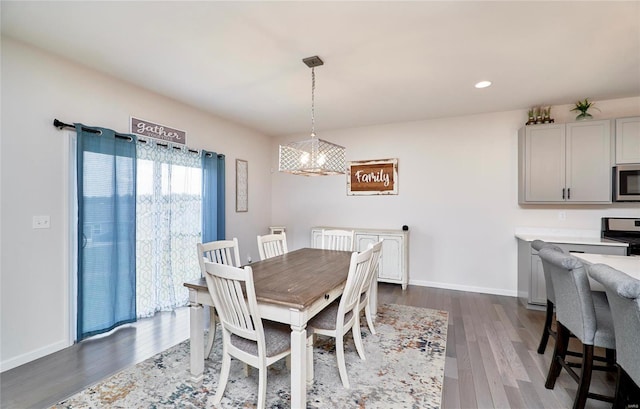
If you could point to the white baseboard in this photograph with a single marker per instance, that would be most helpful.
(33, 355)
(448, 286)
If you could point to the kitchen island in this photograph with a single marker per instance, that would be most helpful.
(629, 265)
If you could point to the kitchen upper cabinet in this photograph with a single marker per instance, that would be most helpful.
(628, 140)
(589, 161)
(565, 163)
(542, 162)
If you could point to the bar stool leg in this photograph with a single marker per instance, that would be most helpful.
(559, 354)
(547, 328)
(585, 377)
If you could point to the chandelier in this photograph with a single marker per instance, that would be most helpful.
(312, 157)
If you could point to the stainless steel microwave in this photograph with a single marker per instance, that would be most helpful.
(626, 183)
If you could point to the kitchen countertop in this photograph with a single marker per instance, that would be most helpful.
(586, 237)
(629, 265)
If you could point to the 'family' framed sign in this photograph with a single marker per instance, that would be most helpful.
(373, 177)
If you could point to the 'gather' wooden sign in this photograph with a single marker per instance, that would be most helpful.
(373, 177)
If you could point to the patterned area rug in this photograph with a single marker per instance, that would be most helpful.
(404, 369)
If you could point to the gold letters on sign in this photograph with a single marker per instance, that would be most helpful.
(373, 177)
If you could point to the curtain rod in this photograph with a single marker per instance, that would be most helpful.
(60, 125)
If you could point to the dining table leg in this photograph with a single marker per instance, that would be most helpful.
(310, 339)
(298, 366)
(196, 341)
(373, 299)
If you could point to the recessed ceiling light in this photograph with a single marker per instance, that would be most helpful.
(483, 84)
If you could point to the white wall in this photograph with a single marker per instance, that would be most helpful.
(36, 88)
(457, 193)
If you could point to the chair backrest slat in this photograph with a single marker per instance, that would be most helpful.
(222, 251)
(338, 240)
(237, 308)
(272, 245)
(376, 252)
(356, 277)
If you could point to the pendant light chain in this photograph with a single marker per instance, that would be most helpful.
(313, 89)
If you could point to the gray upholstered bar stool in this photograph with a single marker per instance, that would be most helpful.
(551, 298)
(623, 293)
(581, 312)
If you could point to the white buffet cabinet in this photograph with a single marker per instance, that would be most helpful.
(393, 266)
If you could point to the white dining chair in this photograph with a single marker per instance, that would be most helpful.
(342, 315)
(372, 276)
(338, 240)
(244, 335)
(222, 252)
(271, 245)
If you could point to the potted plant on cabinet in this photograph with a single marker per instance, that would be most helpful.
(583, 107)
(532, 117)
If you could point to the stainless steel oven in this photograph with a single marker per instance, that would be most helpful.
(623, 229)
(626, 183)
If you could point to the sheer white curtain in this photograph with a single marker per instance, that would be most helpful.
(168, 225)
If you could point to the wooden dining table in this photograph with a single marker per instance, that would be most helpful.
(291, 289)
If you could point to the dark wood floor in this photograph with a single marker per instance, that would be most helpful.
(491, 355)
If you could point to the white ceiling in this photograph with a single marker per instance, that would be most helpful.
(384, 61)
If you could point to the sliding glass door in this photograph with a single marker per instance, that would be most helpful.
(143, 205)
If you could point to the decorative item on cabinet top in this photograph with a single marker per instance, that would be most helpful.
(540, 115)
(583, 107)
(373, 177)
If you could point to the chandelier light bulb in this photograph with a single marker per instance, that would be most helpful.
(304, 158)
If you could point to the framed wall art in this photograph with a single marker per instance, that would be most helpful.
(242, 185)
(373, 177)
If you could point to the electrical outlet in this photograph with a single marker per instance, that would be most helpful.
(562, 215)
(41, 222)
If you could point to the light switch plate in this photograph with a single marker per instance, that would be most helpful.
(41, 222)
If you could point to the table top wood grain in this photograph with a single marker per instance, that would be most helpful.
(295, 279)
